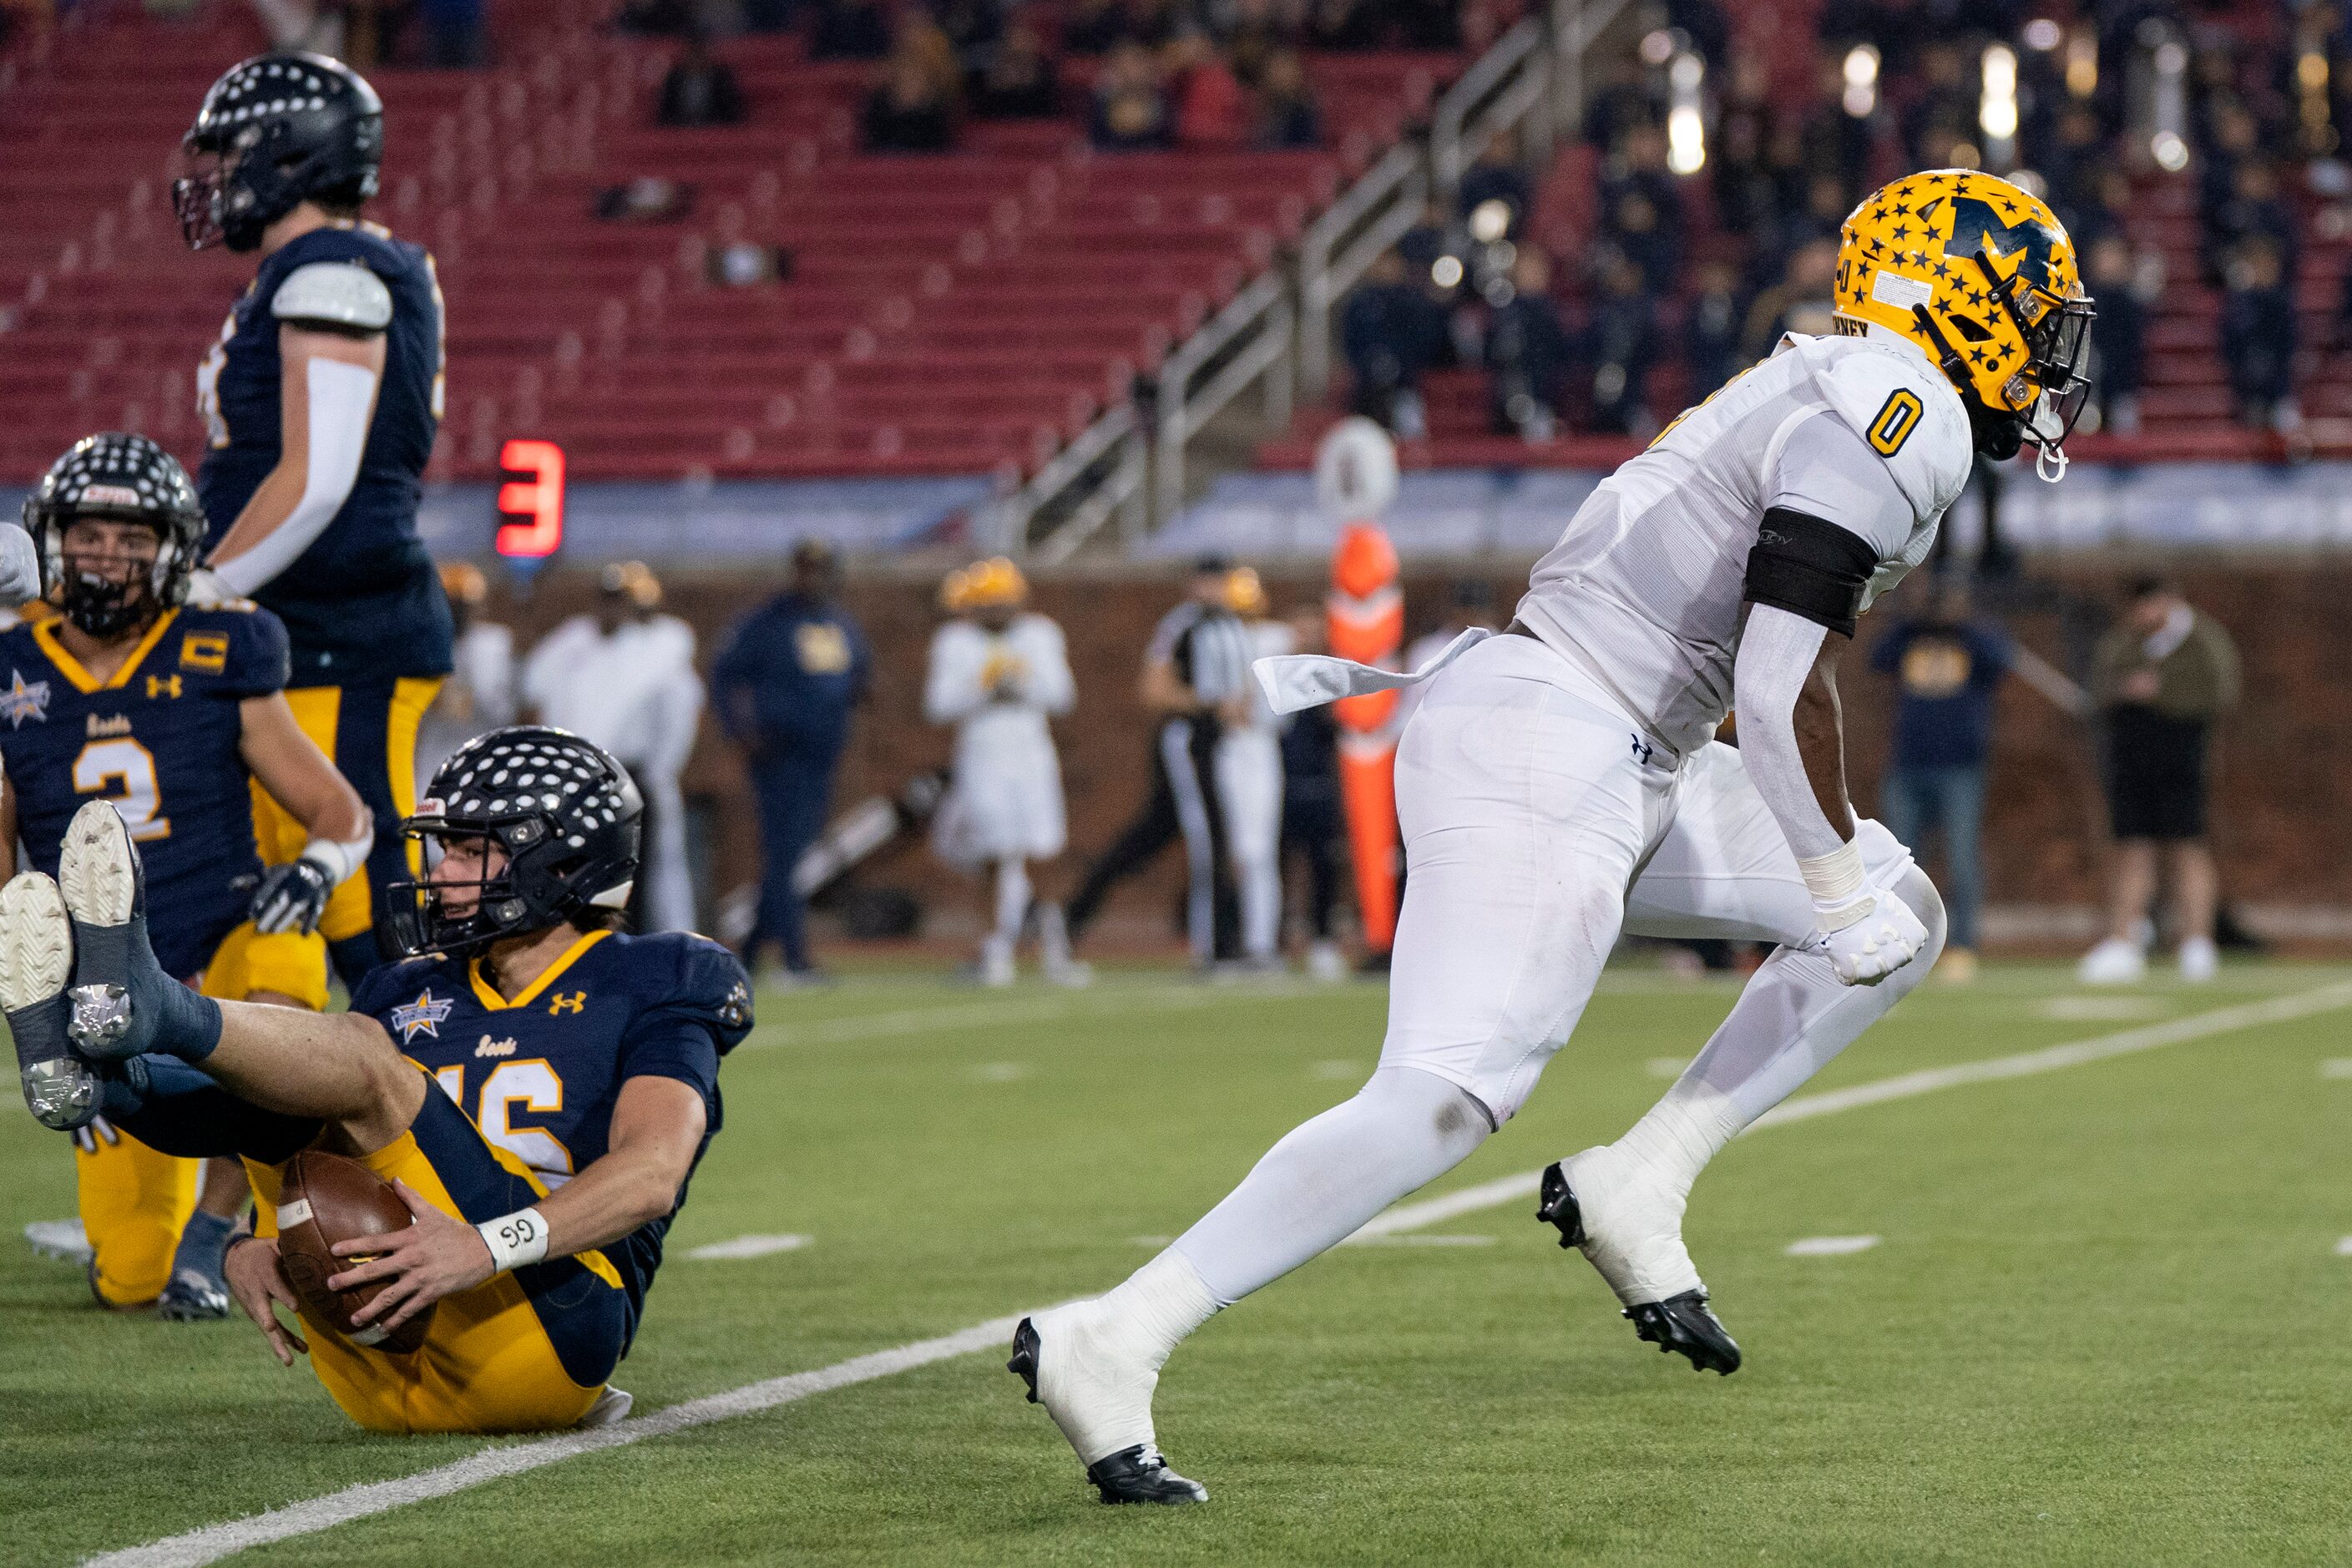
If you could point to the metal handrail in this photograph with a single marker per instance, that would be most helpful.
(1397, 182)
(1259, 313)
(1449, 124)
(1009, 520)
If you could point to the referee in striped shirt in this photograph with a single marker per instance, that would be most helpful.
(1196, 675)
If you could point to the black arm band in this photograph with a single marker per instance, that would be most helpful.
(1810, 568)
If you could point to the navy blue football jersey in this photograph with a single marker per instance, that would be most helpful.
(540, 1074)
(362, 601)
(162, 739)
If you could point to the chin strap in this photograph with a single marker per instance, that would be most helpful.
(2049, 463)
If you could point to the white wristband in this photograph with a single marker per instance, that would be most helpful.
(338, 860)
(516, 1240)
(1837, 881)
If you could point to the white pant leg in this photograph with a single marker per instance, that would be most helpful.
(1249, 789)
(1192, 808)
(1526, 804)
(1723, 869)
(669, 887)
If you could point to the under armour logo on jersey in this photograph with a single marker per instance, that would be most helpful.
(22, 700)
(560, 1004)
(163, 686)
(423, 1016)
(1641, 751)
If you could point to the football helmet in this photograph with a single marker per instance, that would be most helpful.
(565, 813)
(995, 583)
(1980, 275)
(125, 478)
(273, 132)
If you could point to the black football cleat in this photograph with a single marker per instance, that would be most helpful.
(1141, 1475)
(1024, 1364)
(1556, 1205)
(1685, 1325)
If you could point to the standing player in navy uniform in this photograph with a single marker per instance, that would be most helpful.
(323, 399)
(536, 1086)
(117, 692)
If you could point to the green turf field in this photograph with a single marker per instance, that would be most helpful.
(2102, 1323)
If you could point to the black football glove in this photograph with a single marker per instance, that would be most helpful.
(290, 898)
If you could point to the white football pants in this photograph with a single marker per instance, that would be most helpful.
(1249, 792)
(1540, 824)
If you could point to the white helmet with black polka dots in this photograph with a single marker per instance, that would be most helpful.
(565, 813)
(117, 478)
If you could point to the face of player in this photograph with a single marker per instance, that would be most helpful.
(108, 559)
(995, 618)
(466, 863)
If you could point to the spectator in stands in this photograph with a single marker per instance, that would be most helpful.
(1831, 141)
(1343, 25)
(1155, 24)
(2078, 155)
(2251, 210)
(1018, 81)
(1130, 109)
(652, 18)
(1093, 26)
(1250, 31)
(1641, 210)
(648, 198)
(1392, 332)
(1211, 108)
(972, 27)
(849, 30)
(2258, 336)
(1946, 664)
(1620, 344)
(1711, 328)
(1805, 300)
(1747, 196)
(700, 90)
(1287, 115)
(907, 112)
(2162, 675)
(1619, 102)
(2118, 333)
(784, 688)
(1497, 175)
(1945, 108)
(1528, 352)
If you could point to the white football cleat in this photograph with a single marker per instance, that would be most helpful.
(2114, 962)
(2201, 961)
(612, 1407)
(1628, 1225)
(1094, 1376)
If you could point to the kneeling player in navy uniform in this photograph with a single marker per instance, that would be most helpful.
(536, 1086)
(175, 713)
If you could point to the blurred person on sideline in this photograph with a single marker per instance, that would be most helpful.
(1249, 783)
(1195, 680)
(1947, 663)
(784, 687)
(624, 678)
(1000, 672)
(479, 695)
(2162, 675)
(1312, 826)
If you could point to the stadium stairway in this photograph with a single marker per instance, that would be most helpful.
(954, 313)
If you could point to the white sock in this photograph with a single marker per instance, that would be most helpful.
(1261, 900)
(1790, 1022)
(1011, 900)
(1403, 1130)
(1053, 935)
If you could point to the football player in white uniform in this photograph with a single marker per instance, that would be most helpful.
(1559, 787)
(998, 673)
(1249, 785)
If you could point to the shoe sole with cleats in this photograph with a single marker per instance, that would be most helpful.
(37, 955)
(99, 871)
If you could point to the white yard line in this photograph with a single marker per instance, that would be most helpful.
(1830, 1246)
(218, 1541)
(747, 1246)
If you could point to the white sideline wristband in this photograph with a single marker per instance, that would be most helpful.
(1837, 883)
(519, 1240)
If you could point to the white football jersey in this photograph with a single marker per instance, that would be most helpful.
(1644, 588)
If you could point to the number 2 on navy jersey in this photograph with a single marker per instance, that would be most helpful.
(531, 1084)
(141, 801)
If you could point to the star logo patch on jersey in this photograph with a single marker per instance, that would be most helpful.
(22, 701)
(423, 1016)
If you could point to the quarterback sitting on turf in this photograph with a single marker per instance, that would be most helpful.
(536, 1086)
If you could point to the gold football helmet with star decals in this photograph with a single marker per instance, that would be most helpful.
(1979, 274)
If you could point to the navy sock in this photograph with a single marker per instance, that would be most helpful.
(203, 1243)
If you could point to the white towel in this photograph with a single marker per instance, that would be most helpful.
(1297, 680)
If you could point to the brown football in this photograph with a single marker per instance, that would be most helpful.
(324, 1199)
